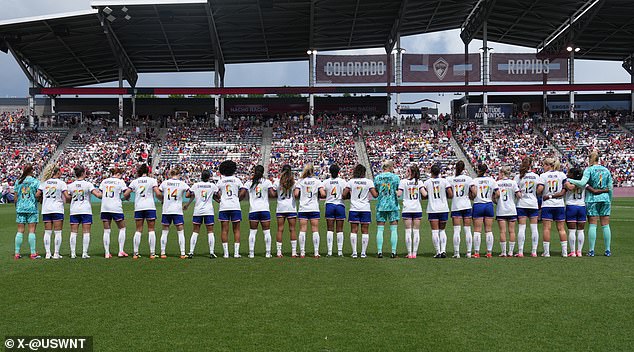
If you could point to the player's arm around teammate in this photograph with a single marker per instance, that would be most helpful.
(411, 189)
(531, 185)
(259, 211)
(461, 209)
(506, 212)
(232, 191)
(203, 193)
(144, 188)
(25, 190)
(173, 191)
(112, 189)
(286, 210)
(54, 194)
(335, 209)
(553, 207)
(438, 191)
(575, 212)
(81, 210)
(358, 190)
(482, 190)
(308, 190)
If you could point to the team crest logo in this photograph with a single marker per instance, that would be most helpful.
(441, 67)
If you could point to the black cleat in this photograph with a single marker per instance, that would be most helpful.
(379, 255)
(443, 255)
(190, 256)
(393, 255)
(438, 255)
(212, 256)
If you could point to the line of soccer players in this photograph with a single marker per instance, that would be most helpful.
(566, 199)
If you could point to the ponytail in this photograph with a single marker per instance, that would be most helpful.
(26, 172)
(525, 166)
(258, 174)
(459, 168)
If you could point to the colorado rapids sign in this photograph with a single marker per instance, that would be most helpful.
(440, 68)
(527, 68)
(352, 68)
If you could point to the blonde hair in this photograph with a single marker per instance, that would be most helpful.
(174, 172)
(50, 171)
(309, 171)
(505, 171)
(593, 158)
(387, 165)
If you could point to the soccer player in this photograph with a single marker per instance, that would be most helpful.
(308, 190)
(232, 191)
(335, 209)
(553, 207)
(260, 189)
(144, 188)
(531, 185)
(81, 210)
(203, 193)
(112, 189)
(54, 194)
(461, 210)
(506, 212)
(387, 207)
(575, 212)
(172, 191)
(25, 191)
(286, 209)
(482, 190)
(358, 190)
(411, 188)
(598, 200)
(438, 191)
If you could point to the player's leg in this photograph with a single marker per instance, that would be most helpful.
(468, 236)
(151, 231)
(196, 222)
(106, 234)
(521, 234)
(136, 240)
(442, 224)
(211, 239)
(32, 224)
(279, 235)
(236, 238)
(380, 225)
(415, 237)
(365, 238)
(57, 229)
(303, 226)
(435, 236)
(266, 229)
(572, 236)
(339, 229)
(86, 229)
(19, 236)
(224, 237)
(330, 230)
(165, 223)
(180, 231)
(563, 240)
(292, 229)
(547, 223)
(511, 230)
(488, 228)
(477, 230)
(253, 231)
(457, 228)
(581, 225)
(607, 234)
(74, 228)
(502, 224)
(314, 226)
(407, 223)
(592, 234)
(354, 229)
(122, 235)
(48, 231)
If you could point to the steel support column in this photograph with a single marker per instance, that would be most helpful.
(120, 99)
(485, 73)
(311, 83)
(217, 99)
(572, 81)
(398, 71)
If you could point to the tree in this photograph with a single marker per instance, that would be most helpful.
(346, 95)
(173, 96)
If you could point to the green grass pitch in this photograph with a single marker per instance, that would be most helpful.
(327, 304)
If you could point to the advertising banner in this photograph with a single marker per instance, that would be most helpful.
(527, 68)
(435, 68)
(351, 69)
(494, 111)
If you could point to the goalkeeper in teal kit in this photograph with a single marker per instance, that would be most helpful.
(387, 206)
(598, 181)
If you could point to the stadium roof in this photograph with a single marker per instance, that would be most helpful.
(88, 47)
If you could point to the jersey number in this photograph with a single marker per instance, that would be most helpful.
(78, 195)
(413, 193)
(109, 193)
(172, 194)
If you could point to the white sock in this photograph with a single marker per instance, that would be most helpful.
(164, 234)
(73, 243)
(468, 238)
(443, 241)
(267, 241)
(316, 242)
(511, 248)
(279, 247)
(435, 239)
(521, 238)
(302, 243)
(564, 248)
(534, 238)
(408, 240)
(546, 247)
(236, 249)
(365, 240)
(353, 243)
(476, 242)
(106, 241)
(329, 240)
(58, 241)
(489, 239)
(572, 238)
(152, 242)
(456, 239)
(86, 243)
(136, 242)
(181, 241)
(121, 239)
(294, 247)
(580, 240)
(339, 241)
(252, 234)
(192, 242)
(211, 241)
(47, 241)
(503, 247)
(225, 248)
(416, 241)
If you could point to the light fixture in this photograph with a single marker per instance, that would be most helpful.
(577, 50)
(311, 52)
(489, 49)
(111, 18)
(127, 17)
(569, 48)
(107, 10)
(124, 9)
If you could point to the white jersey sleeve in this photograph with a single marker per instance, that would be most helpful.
(437, 195)
(143, 188)
(359, 194)
(204, 197)
(258, 195)
(80, 192)
(173, 195)
(309, 194)
(111, 200)
(52, 196)
(460, 185)
(285, 199)
(411, 195)
(334, 189)
(506, 203)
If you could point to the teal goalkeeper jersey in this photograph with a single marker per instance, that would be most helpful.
(598, 177)
(25, 195)
(387, 185)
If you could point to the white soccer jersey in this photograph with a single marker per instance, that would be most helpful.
(80, 192)
(334, 188)
(553, 183)
(143, 188)
(576, 197)
(258, 195)
(437, 195)
(460, 185)
(485, 187)
(506, 202)
(309, 194)
(285, 200)
(173, 194)
(528, 186)
(52, 196)
(359, 193)
(111, 199)
(230, 187)
(204, 195)
(411, 195)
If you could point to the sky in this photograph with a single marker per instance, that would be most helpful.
(15, 84)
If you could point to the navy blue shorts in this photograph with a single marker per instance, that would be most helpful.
(507, 217)
(112, 216)
(335, 211)
(260, 216)
(438, 216)
(527, 213)
(230, 215)
(81, 219)
(286, 215)
(309, 215)
(554, 213)
(418, 215)
(359, 217)
(464, 213)
(145, 215)
(575, 213)
(483, 210)
(168, 219)
(53, 217)
(207, 219)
